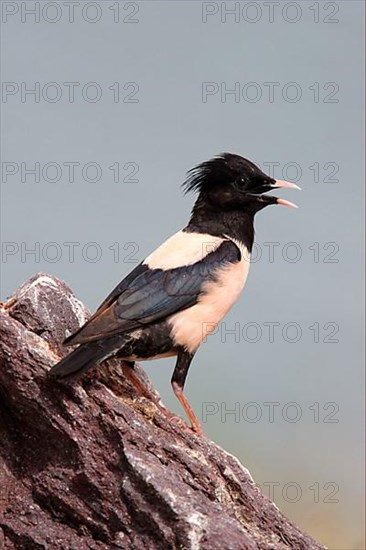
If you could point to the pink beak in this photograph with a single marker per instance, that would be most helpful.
(288, 185)
(284, 202)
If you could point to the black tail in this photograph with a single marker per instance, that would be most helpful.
(81, 360)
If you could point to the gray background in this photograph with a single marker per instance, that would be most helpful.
(169, 52)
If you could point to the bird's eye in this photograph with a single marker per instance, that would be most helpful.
(239, 182)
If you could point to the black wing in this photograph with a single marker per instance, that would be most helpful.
(148, 295)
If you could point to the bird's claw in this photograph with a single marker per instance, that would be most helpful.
(179, 422)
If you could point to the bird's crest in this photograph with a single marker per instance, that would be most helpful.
(222, 168)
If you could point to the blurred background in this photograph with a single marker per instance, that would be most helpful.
(106, 105)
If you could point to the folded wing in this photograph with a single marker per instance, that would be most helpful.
(149, 295)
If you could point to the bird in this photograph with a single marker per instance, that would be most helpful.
(169, 303)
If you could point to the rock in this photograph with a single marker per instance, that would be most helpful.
(89, 465)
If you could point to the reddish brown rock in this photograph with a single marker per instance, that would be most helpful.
(87, 465)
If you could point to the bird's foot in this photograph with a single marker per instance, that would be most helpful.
(9, 303)
(179, 422)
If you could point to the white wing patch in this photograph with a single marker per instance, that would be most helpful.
(190, 326)
(182, 249)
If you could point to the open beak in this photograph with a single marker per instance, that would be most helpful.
(284, 202)
(279, 184)
(259, 193)
(286, 184)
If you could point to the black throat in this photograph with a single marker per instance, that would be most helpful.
(237, 224)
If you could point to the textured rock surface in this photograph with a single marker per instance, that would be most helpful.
(89, 466)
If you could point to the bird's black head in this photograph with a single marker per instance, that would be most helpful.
(231, 182)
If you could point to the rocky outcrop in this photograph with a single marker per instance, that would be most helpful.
(89, 465)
